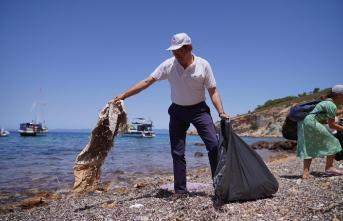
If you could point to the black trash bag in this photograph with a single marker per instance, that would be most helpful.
(339, 136)
(241, 173)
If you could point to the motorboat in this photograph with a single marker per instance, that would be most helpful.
(140, 127)
(3, 132)
(35, 127)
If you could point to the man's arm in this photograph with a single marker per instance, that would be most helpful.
(217, 102)
(137, 88)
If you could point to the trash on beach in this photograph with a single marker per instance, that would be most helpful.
(110, 204)
(190, 186)
(87, 170)
(136, 206)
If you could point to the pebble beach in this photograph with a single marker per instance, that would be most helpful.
(144, 199)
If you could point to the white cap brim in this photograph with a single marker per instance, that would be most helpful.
(174, 47)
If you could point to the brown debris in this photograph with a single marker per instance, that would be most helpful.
(43, 198)
(87, 170)
(32, 202)
(139, 185)
(277, 157)
(110, 204)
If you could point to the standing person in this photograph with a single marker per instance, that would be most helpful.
(188, 76)
(314, 140)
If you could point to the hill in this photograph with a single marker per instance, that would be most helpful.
(267, 120)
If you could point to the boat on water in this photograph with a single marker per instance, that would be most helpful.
(3, 132)
(140, 127)
(32, 129)
(35, 127)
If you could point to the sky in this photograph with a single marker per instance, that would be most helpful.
(82, 53)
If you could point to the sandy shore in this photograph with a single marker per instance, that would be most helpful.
(297, 199)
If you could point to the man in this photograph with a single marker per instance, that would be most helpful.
(188, 76)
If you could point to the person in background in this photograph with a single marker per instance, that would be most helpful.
(314, 140)
(326, 125)
(188, 76)
(339, 155)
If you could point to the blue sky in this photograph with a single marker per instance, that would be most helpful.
(83, 53)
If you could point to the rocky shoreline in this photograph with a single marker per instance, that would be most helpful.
(296, 199)
(288, 145)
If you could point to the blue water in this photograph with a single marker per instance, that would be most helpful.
(30, 163)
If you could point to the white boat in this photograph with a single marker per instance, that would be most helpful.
(3, 132)
(35, 127)
(140, 128)
(32, 129)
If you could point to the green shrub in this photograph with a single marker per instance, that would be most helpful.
(290, 100)
(253, 126)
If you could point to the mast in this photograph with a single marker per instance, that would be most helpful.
(39, 104)
(41, 107)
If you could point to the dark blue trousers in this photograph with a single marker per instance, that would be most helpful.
(180, 120)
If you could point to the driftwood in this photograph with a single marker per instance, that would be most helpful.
(87, 170)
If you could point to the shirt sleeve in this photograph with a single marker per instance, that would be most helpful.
(210, 81)
(160, 72)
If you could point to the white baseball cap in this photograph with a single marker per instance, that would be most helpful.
(178, 41)
(338, 89)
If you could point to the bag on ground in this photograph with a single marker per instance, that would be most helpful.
(339, 136)
(241, 173)
(290, 129)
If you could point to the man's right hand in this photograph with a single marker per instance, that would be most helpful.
(117, 98)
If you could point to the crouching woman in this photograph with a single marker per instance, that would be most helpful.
(314, 140)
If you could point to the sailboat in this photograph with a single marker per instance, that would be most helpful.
(35, 127)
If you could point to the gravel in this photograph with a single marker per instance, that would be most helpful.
(143, 199)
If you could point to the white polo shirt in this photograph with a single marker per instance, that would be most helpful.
(187, 85)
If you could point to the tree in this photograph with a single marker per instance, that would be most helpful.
(316, 90)
(302, 95)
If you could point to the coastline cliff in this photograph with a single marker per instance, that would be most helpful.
(267, 123)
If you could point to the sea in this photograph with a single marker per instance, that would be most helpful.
(47, 162)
